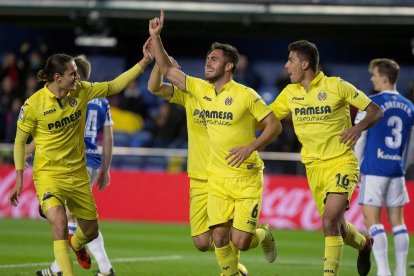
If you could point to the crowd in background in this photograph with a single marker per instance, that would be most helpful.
(141, 119)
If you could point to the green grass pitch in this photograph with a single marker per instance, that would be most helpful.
(164, 249)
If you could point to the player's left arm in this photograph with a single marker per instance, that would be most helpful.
(373, 115)
(272, 128)
(121, 82)
(103, 178)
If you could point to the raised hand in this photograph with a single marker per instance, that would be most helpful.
(156, 24)
(147, 50)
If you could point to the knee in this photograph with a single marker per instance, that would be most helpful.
(242, 244)
(202, 247)
(91, 232)
(330, 224)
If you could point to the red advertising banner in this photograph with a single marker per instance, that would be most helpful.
(163, 197)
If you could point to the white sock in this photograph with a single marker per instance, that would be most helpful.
(55, 267)
(401, 241)
(96, 247)
(72, 227)
(380, 249)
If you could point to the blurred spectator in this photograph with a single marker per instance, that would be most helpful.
(133, 100)
(11, 120)
(245, 74)
(169, 129)
(9, 68)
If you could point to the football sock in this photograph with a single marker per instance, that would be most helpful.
(79, 239)
(258, 237)
(333, 255)
(72, 227)
(63, 257)
(96, 247)
(354, 238)
(235, 250)
(55, 267)
(226, 260)
(380, 248)
(401, 242)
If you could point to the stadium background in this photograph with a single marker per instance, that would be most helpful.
(348, 33)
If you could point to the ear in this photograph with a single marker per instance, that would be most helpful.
(57, 77)
(229, 66)
(305, 65)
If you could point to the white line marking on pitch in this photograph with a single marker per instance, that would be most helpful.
(118, 260)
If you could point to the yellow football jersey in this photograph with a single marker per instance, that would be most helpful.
(198, 145)
(57, 127)
(230, 117)
(320, 114)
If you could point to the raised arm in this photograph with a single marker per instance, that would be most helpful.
(122, 81)
(167, 69)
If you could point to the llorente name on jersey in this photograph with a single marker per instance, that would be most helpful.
(65, 120)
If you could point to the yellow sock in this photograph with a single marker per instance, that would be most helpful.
(333, 255)
(227, 261)
(258, 237)
(62, 256)
(354, 238)
(79, 239)
(236, 251)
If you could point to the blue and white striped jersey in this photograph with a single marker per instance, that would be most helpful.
(386, 149)
(98, 115)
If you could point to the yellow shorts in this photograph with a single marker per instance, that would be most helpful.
(338, 175)
(235, 198)
(70, 188)
(198, 206)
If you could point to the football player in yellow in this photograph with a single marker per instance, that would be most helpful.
(229, 111)
(55, 117)
(198, 147)
(322, 122)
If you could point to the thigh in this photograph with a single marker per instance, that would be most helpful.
(51, 191)
(373, 190)
(80, 201)
(397, 194)
(248, 202)
(220, 204)
(337, 176)
(198, 206)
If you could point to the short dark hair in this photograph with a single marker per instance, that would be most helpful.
(307, 51)
(386, 67)
(54, 64)
(229, 51)
(84, 67)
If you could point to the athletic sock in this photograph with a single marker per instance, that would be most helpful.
(333, 255)
(354, 238)
(63, 257)
(258, 237)
(79, 239)
(380, 248)
(55, 267)
(226, 260)
(97, 248)
(401, 243)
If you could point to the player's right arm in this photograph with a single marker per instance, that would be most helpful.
(19, 163)
(157, 87)
(167, 69)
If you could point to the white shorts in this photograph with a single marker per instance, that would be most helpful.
(93, 173)
(381, 191)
